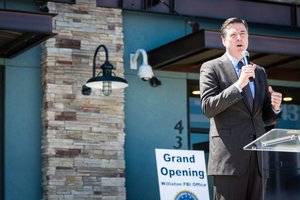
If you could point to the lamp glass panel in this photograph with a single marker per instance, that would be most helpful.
(99, 85)
(106, 88)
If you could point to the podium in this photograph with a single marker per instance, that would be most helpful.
(282, 147)
(279, 140)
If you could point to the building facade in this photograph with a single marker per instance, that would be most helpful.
(60, 144)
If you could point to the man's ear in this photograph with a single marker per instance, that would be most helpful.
(223, 41)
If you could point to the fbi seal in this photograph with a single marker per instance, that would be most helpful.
(185, 195)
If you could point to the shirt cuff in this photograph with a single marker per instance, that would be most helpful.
(238, 87)
(277, 112)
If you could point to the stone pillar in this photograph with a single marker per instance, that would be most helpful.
(83, 136)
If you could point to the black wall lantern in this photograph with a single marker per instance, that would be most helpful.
(106, 80)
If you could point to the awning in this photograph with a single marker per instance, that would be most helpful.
(280, 56)
(21, 30)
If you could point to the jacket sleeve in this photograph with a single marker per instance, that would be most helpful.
(269, 116)
(215, 95)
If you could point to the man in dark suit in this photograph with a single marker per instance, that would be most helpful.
(235, 121)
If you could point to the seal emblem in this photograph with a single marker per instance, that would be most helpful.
(185, 195)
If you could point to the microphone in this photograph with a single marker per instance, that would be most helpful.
(246, 59)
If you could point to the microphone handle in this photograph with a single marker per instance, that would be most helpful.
(247, 62)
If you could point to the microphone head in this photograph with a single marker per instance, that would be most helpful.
(245, 53)
(246, 59)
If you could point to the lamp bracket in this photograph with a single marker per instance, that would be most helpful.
(134, 57)
(133, 62)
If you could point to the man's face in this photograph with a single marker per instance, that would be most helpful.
(236, 39)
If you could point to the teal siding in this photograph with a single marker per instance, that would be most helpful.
(151, 113)
(22, 119)
(22, 144)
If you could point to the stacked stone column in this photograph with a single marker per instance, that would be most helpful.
(83, 136)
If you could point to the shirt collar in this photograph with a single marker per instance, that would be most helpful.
(232, 59)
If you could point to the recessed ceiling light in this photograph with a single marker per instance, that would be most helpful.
(196, 92)
(287, 99)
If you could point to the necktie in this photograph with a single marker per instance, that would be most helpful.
(246, 89)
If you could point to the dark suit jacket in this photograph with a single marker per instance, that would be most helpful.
(232, 124)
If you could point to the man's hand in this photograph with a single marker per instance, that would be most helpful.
(276, 99)
(247, 71)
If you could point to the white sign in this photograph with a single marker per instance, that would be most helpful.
(181, 175)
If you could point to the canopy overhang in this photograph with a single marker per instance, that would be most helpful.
(280, 56)
(20, 30)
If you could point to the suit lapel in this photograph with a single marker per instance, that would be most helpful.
(227, 65)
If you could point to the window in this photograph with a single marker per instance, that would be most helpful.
(198, 123)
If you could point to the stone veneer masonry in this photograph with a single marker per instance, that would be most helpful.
(83, 136)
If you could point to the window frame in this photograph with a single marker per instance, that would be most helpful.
(2, 108)
(192, 85)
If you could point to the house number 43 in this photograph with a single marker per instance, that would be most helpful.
(179, 128)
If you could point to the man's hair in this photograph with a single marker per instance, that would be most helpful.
(232, 21)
